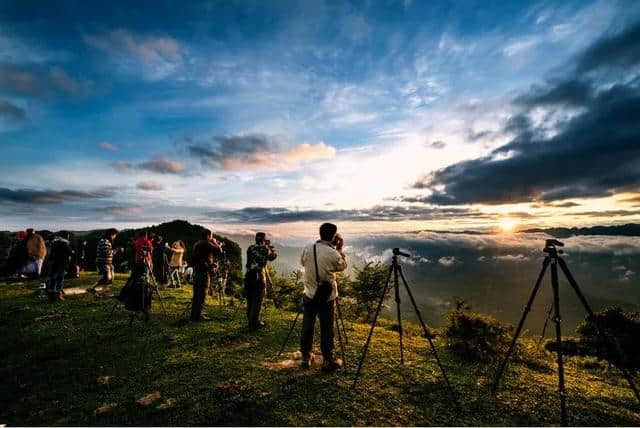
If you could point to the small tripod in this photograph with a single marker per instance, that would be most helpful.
(396, 269)
(553, 257)
(342, 335)
(144, 289)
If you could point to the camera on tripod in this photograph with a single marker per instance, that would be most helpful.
(397, 252)
(550, 246)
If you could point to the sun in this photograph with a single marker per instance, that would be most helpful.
(508, 224)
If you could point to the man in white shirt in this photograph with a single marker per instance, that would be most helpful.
(321, 261)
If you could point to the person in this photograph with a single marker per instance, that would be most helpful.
(203, 259)
(59, 260)
(37, 251)
(258, 255)
(18, 255)
(321, 262)
(160, 262)
(175, 264)
(104, 259)
(136, 293)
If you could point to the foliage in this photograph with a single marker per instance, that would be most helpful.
(618, 342)
(475, 336)
(287, 290)
(367, 288)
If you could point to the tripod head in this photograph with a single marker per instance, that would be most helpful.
(550, 247)
(397, 252)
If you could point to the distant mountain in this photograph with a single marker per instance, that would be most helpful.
(630, 229)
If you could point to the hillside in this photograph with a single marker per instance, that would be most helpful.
(67, 365)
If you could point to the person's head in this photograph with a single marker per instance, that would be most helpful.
(64, 235)
(29, 232)
(110, 234)
(260, 238)
(328, 231)
(206, 235)
(142, 233)
(177, 245)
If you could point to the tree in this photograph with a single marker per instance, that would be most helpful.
(367, 288)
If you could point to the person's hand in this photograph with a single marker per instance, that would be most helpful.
(338, 242)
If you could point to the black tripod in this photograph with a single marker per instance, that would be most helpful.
(396, 269)
(144, 289)
(553, 258)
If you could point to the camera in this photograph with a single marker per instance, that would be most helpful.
(397, 252)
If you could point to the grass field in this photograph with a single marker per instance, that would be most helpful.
(64, 364)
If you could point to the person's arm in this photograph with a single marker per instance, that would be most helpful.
(340, 262)
(271, 255)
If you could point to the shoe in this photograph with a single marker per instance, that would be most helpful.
(308, 362)
(331, 365)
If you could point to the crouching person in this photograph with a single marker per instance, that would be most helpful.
(258, 255)
(321, 262)
(205, 254)
(59, 257)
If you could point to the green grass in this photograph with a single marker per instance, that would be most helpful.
(64, 364)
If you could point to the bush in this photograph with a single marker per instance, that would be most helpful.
(367, 288)
(618, 343)
(287, 291)
(475, 336)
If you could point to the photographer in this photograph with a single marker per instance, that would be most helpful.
(321, 261)
(205, 254)
(258, 255)
(104, 259)
(59, 257)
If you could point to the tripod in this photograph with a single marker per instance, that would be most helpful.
(144, 289)
(342, 335)
(554, 259)
(396, 270)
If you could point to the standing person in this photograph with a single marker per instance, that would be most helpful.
(258, 255)
(37, 251)
(175, 265)
(104, 260)
(59, 258)
(160, 262)
(321, 262)
(205, 253)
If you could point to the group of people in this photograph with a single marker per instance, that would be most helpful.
(321, 261)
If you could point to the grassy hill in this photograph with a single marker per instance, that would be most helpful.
(67, 365)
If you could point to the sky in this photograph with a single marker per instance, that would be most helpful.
(392, 115)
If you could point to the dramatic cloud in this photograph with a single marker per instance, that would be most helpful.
(159, 55)
(46, 197)
(10, 111)
(42, 83)
(377, 213)
(591, 153)
(257, 151)
(149, 185)
(157, 164)
(107, 146)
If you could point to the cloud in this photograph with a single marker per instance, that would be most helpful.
(42, 82)
(439, 144)
(149, 185)
(620, 51)
(257, 151)
(591, 153)
(376, 213)
(447, 261)
(105, 145)
(511, 258)
(157, 164)
(11, 112)
(159, 56)
(47, 197)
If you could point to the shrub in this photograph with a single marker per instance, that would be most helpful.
(475, 336)
(367, 288)
(618, 343)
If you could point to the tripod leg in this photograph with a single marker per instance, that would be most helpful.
(546, 322)
(428, 336)
(164, 311)
(344, 330)
(397, 298)
(527, 308)
(557, 319)
(344, 357)
(293, 325)
(373, 325)
(576, 288)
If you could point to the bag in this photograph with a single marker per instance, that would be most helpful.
(324, 289)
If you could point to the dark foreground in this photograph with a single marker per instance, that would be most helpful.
(66, 365)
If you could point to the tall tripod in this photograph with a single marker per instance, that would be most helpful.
(554, 259)
(396, 270)
(342, 334)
